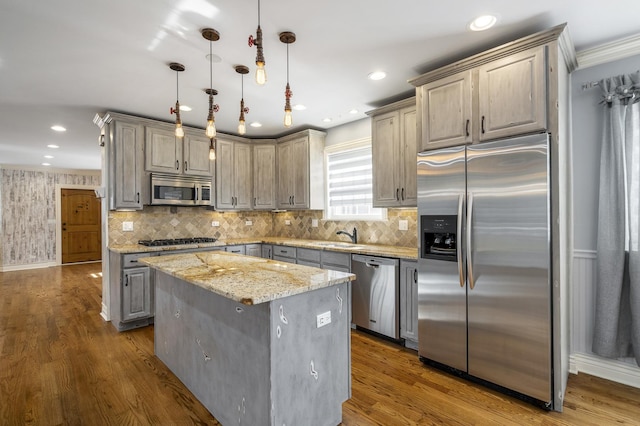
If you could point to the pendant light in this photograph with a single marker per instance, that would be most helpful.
(210, 130)
(178, 68)
(261, 74)
(212, 149)
(242, 129)
(287, 37)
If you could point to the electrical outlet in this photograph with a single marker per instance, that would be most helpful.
(403, 225)
(215, 223)
(323, 319)
(314, 223)
(127, 226)
(287, 222)
(248, 222)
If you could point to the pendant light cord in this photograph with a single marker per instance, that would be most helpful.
(258, 12)
(287, 63)
(177, 94)
(210, 64)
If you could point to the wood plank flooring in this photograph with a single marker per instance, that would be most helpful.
(60, 363)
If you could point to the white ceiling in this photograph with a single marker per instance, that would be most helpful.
(63, 61)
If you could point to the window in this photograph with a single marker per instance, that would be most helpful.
(349, 183)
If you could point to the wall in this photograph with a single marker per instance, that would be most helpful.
(29, 213)
(587, 133)
(353, 131)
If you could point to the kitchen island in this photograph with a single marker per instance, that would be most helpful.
(258, 342)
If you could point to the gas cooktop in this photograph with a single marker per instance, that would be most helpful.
(176, 241)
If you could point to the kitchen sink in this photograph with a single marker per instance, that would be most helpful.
(340, 245)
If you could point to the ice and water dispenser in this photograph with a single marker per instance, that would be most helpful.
(439, 237)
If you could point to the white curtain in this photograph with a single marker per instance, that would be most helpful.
(617, 316)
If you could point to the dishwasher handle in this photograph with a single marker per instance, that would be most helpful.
(373, 261)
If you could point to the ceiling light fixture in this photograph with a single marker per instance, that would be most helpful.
(46, 164)
(185, 108)
(299, 107)
(482, 23)
(287, 38)
(242, 129)
(210, 130)
(178, 68)
(353, 111)
(327, 120)
(377, 75)
(53, 146)
(58, 128)
(261, 74)
(48, 156)
(255, 124)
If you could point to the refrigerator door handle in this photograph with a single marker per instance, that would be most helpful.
(459, 245)
(469, 248)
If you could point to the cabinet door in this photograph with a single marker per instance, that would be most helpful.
(242, 176)
(127, 171)
(408, 134)
(264, 177)
(253, 250)
(385, 151)
(267, 251)
(224, 175)
(300, 172)
(136, 293)
(409, 300)
(196, 156)
(512, 93)
(163, 151)
(447, 111)
(284, 152)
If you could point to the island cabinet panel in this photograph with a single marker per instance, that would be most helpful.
(264, 364)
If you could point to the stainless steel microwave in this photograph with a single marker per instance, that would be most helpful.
(180, 190)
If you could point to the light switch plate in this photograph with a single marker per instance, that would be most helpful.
(287, 222)
(403, 225)
(248, 222)
(314, 223)
(127, 226)
(323, 319)
(215, 223)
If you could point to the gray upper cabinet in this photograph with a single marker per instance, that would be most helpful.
(447, 111)
(300, 171)
(264, 177)
(495, 99)
(167, 154)
(126, 168)
(233, 175)
(512, 94)
(394, 149)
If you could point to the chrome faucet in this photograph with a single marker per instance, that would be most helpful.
(354, 236)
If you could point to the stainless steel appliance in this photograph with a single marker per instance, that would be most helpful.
(180, 190)
(484, 298)
(375, 294)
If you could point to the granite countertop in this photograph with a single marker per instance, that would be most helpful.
(370, 249)
(245, 279)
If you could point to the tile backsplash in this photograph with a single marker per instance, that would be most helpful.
(180, 222)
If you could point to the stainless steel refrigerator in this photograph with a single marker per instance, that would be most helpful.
(484, 292)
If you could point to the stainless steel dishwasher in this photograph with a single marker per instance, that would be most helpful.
(375, 293)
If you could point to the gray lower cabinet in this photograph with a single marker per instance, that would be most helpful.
(284, 254)
(238, 249)
(336, 261)
(253, 250)
(409, 302)
(131, 291)
(267, 251)
(308, 257)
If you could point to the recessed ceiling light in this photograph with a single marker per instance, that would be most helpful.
(58, 128)
(185, 108)
(353, 111)
(299, 107)
(327, 120)
(483, 22)
(53, 146)
(48, 156)
(255, 124)
(377, 75)
(46, 164)
(214, 58)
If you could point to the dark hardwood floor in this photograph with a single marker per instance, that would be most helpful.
(60, 363)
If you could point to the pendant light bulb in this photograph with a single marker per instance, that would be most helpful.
(261, 73)
(287, 37)
(288, 118)
(179, 131)
(242, 129)
(210, 130)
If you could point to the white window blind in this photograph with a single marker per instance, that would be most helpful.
(350, 184)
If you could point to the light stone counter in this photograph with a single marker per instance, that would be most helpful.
(245, 279)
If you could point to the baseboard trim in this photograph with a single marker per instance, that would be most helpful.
(105, 313)
(613, 370)
(27, 266)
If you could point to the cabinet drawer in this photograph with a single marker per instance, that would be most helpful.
(309, 255)
(131, 260)
(335, 258)
(239, 249)
(308, 263)
(284, 259)
(283, 251)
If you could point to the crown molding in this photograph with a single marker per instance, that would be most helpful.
(607, 52)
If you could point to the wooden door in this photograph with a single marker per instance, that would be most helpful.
(81, 226)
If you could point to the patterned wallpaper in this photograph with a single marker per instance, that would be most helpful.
(176, 222)
(29, 213)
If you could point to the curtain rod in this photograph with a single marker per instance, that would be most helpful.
(590, 85)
